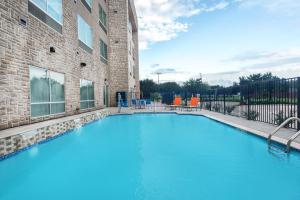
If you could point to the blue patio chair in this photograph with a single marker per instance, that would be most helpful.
(148, 102)
(124, 103)
(143, 103)
(133, 102)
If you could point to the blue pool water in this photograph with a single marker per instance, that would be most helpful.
(151, 157)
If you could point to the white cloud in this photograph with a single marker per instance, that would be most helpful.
(285, 64)
(159, 20)
(289, 7)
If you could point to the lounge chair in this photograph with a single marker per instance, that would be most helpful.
(133, 103)
(142, 103)
(148, 102)
(124, 103)
(194, 103)
(176, 103)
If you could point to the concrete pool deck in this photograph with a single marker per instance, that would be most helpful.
(18, 138)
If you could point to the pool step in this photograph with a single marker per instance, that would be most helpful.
(291, 139)
(278, 148)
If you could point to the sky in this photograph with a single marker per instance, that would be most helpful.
(219, 40)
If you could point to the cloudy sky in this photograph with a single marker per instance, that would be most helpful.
(220, 39)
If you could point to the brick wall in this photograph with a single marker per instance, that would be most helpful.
(120, 80)
(22, 46)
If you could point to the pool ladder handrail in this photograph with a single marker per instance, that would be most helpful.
(291, 139)
(119, 103)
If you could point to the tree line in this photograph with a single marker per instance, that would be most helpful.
(196, 86)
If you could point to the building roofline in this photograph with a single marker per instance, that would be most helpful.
(133, 15)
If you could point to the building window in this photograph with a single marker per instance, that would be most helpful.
(53, 8)
(85, 34)
(102, 19)
(103, 51)
(47, 92)
(48, 11)
(87, 98)
(88, 4)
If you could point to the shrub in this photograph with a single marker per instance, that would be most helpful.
(217, 107)
(280, 118)
(156, 97)
(252, 115)
(229, 109)
(207, 106)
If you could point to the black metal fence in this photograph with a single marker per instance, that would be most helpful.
(265, 101)
(271, 101)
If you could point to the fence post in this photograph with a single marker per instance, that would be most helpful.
(298, 102)
(209, 97)
(224, 98)
(185, 99)
(248, 102)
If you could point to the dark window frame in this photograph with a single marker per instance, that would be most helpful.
(88, 7)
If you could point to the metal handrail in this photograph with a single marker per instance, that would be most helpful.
(119, 103)
(281, 126)
(291, 139)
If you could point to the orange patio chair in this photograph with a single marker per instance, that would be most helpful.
(193, 103)
(177, 102)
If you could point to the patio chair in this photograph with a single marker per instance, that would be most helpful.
(176, 103)
(148, 102)
(133, 103)
(194, 103)
(143, 103)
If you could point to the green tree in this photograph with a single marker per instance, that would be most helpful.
(170, 87)
(257, 77)
(195, 86)
(168, 90)
(258, 83)
(147, 87)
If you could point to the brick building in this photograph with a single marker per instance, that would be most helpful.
(63, 57)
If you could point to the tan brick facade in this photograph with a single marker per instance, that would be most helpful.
(120, 78)
(23, 46)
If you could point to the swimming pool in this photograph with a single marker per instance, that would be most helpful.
(151, 157)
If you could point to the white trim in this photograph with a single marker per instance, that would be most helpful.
(104, 59)
(105, 26)
(87, 101)
(56, 102)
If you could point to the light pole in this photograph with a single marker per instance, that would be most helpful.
(158, 73)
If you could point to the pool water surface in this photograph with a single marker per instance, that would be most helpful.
(151, 157)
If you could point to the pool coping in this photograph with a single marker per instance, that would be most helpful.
(13, 141)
